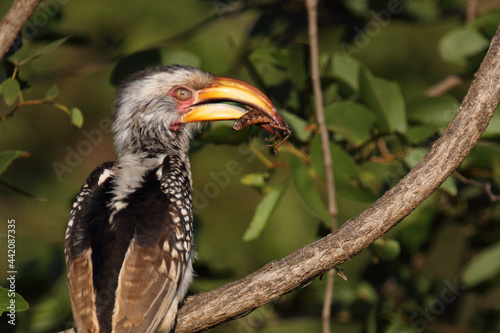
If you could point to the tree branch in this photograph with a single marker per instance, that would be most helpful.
(208, 309)
(13, 21)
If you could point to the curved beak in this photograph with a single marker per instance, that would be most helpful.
(210, 103)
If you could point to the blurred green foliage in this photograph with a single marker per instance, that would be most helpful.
(436, 271)
(18, 305)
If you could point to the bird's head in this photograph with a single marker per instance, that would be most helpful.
(161, 106)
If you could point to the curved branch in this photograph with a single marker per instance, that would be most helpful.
(207, 309)
(13, 21)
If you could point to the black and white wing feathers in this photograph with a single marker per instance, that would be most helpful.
(83, 220)
(129, 263)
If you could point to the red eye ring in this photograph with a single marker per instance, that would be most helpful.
(182, 94)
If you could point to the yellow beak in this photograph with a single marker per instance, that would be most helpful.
(206, 108)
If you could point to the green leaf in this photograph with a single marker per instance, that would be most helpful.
(415, 229)
(351, 120)
(263, 212)
(345, 171)
(271, 64)
(256, 180)
(414, 155)
(460, 44)
(495, 169)
(307, 191)
(450, 186)
(270, 54)
(6, 299)
(52, 93)
(10, 90)
(76, 117)
(422, 11)
(487, 24)
(419, 133)
(482, 267)
(435, 111)
(385, 100)
(298, 125)
(344, 167)
(44, 50)
(378, 176)
(330, 94)
(371, 321)
(345, 69)
(7, 156)
(493, 129)
(480, 156)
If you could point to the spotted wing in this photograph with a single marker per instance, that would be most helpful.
(156, 269)
(78, 249)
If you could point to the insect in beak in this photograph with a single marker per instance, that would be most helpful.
(257, 117)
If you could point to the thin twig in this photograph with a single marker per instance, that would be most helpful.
(486, 186)
(471, 10)
(326, 312)
(341, 273)
(382, 147)
(34, 102)
(13, 21)
(312, 7)
(320, 117)
(21, 191)
(445, 85)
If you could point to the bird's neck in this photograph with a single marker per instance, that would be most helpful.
(133, 139)
(140, 159)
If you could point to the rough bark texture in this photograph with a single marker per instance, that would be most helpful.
(207, 309)
(13, 21)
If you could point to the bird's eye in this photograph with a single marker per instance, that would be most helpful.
(182, 94)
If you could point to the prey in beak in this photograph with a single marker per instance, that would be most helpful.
(257, 117)
(210, 104)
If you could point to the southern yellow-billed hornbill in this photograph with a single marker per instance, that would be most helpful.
(129, 238)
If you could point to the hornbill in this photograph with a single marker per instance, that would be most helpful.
(129, 239)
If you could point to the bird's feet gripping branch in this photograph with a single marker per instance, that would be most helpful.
(129, 241)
